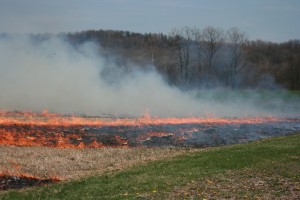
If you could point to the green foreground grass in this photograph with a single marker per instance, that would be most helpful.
(263, 169)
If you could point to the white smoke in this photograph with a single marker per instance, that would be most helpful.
(51, 74)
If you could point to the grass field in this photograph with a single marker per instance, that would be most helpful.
(267, 169)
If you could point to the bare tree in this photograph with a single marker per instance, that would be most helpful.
(236, 40)
(197, 37)
(212, 39)
(183, 41)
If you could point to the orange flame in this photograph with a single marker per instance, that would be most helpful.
(45, 118)
(47, 129)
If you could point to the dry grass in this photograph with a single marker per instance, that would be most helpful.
(47, 162)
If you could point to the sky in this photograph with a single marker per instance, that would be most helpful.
(269, 20)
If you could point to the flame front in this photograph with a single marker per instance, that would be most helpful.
(65, 131)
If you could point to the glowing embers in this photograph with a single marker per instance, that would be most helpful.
(65, 131)
(54, 136)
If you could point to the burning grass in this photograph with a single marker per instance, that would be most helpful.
(63, 131)
(55, 119)
(268, 169)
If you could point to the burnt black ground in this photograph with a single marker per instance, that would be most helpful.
(193, 135)
(17, 182)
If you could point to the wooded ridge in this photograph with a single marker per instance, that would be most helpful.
(201, 58)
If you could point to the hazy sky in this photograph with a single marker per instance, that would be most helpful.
(272, 20)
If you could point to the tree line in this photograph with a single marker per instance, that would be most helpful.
(203, 58)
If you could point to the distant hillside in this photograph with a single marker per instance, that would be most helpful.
(210, 57)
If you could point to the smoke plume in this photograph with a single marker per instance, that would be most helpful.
(52, 74)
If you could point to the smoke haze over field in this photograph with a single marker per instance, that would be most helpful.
(51, 74)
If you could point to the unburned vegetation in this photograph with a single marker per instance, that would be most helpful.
(68, 164)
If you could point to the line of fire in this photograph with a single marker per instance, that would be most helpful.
(69, 131)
